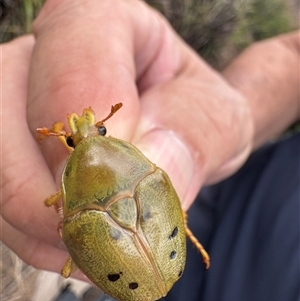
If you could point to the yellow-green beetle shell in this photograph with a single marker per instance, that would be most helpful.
(123, 224)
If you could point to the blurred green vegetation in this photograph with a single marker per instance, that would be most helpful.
(262, 20)
(217, 29)
(220, 29)
(17, 17)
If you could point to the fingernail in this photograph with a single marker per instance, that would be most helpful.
(168, 152)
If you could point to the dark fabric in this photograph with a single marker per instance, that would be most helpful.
(67, 295)
(249, 223)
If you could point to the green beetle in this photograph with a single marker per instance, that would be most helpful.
(122, 221)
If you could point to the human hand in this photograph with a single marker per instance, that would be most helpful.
(180, 112)
(104, 54)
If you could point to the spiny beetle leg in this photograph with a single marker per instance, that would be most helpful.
(68, 268)
(53, 199)
(57, 131)
(195, 241)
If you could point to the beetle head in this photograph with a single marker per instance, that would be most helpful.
(82, 127)
(85, 126)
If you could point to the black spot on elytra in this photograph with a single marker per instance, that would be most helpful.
(113, 277)
(174, 233)
(173, 254)
(180, 273)
(133, 285)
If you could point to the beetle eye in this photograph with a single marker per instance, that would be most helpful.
(102, 130)
(70, 142)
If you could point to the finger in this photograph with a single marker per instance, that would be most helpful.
(272, 89)
(91, 55)
(192, 125)
(34, 252)
(26, 180)
(119, 52)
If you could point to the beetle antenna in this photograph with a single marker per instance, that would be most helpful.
(113, 110)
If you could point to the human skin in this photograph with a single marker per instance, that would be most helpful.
(199, 125)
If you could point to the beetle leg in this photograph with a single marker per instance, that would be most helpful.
(53, 199)
(68, 268)
(195, 241)
(57, 131)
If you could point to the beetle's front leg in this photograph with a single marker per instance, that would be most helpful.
(57, 131)
(195, 241)
(53, 199)
(68, 268)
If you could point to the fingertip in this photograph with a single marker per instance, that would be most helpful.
(168, 152)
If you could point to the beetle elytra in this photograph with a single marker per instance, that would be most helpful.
(122, 221)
